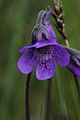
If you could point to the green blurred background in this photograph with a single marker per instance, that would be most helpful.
(17, 18)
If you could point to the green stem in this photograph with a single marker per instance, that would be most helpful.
(60, 93)
(57, 2)
(27, 97)
(76, 81)
(75, 77)
(67, 44)
(48, 100)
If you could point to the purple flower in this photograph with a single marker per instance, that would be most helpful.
(74, 64)
(42, 52)
(43, 56)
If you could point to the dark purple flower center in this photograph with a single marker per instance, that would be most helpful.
(45, 52)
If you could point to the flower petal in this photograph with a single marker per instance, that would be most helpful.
(27, 62)
(37, 45)
(44, 43)
(45, 69)
(42, 33)
(61, 55)
(73, 68)
(51, 33)
(26, 48)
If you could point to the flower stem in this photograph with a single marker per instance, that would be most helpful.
(67, 43)
(27, 97)
(75, 77)
(76, 81)
(48, 101)
(57, 2)
(58, 16)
